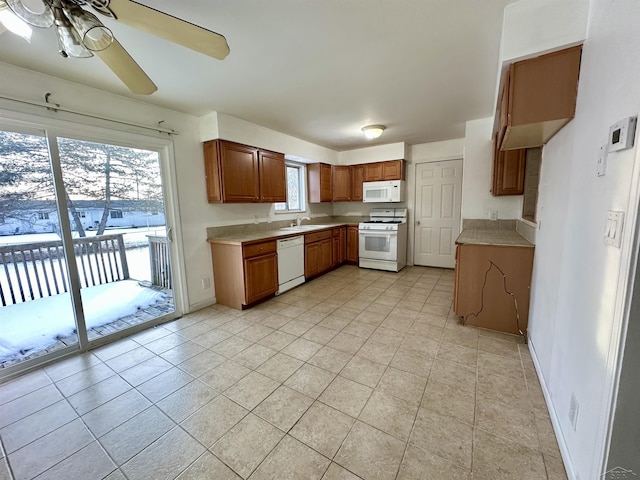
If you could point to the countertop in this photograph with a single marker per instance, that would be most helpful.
(504, 237)
(259, 236)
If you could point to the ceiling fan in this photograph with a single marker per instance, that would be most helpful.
(81, 33)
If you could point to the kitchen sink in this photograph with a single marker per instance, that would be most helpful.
(304, 228)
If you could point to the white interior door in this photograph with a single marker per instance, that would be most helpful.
(438, 206)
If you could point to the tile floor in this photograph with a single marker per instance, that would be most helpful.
(357, 374)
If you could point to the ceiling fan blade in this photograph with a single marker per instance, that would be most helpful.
(171, 28)
(126, 68)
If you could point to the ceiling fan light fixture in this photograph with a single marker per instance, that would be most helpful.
(39, 14)
(93, 34)
(68, 39)
(13, 23)
(373, 131)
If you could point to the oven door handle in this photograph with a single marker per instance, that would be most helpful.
(378, 234)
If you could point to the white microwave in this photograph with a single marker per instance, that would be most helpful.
(391, 191)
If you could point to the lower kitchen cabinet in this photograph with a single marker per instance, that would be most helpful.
(318, 249)
(352, 244)
(492, 286)
(244, 274)
(339, 254)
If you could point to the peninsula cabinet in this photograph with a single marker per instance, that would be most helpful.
(352, 244)
(318, 249)
(237, 173)
(319, 183)
(508, 171)
(483, 276)
(538, 98)
(244, 274)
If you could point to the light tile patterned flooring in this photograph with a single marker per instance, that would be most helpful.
(357, 374)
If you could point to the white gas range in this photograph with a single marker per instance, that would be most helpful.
(383, 240)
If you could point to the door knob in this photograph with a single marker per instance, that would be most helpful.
(418, 222)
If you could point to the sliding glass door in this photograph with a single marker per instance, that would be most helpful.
(103, 205)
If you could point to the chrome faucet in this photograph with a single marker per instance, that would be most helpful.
(300, 219)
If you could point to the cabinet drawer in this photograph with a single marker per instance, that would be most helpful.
(317, 236)
(258, 248)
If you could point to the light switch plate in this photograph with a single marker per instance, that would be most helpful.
(613, 228)
(601, 166)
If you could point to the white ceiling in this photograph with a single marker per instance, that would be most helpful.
(315, 69)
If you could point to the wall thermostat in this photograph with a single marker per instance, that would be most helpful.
(622, 133)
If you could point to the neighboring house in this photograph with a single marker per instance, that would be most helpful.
(42, 217)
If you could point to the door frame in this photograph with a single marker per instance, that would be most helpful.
(411, 231)
(135, 138)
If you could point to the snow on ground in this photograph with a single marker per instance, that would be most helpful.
(37, 324)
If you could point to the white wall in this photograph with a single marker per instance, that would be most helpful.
(579, 282)
(221, 125)
(477, 200)
(377, 153)
(533, 27)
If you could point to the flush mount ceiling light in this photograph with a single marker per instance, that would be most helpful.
(81, 34)
(373, 131)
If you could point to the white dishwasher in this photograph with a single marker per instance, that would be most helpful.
(290, 263)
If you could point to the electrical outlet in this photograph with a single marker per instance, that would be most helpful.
(493, 214)
(574, 408)
(206, 283)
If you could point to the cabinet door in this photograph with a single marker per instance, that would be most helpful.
(325, 255)
(239, 172)
(260, 277)
(373, 172)
(341, 177)
(508, 172)
(335, 253)
(343, 245)
(273, 181)
(393, 170)
(311, 257)
(212, 171)
(352, 244)
(357, 177)
(319, 182)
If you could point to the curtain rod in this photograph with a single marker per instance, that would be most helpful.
(57, 108)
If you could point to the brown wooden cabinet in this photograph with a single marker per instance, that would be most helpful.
(538, 98)
(357, 178)
(341, 183)
(273, 177)
(373, 172)
(319, 183)
(508, 171)
(389, 170)
(479, 289)
(352, 244)
(318, 250)
(244, 274)
(339, 253)
(237, 173)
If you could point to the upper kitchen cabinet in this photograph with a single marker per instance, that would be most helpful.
(319, 182)
(273, 180)
(341, 178)
(538, 98)
(237, 173)
(508, 171)
(357, 178)
(390, 170)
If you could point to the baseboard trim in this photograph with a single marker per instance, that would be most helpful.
(564, 450)
(200, 305)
